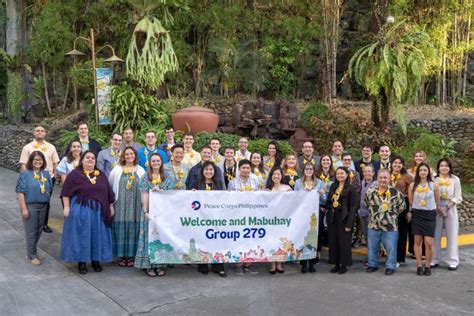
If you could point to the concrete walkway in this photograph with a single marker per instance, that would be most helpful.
(55, 288)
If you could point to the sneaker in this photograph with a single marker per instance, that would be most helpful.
(239, 271)
(453, 268)
(398, 265)
(251, 270)
(434, 266)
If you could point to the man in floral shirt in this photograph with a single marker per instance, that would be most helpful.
(384, 204)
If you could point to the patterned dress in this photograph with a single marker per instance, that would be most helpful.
(126, 223)
(142, 258)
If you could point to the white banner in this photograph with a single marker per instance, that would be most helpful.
(222, 226)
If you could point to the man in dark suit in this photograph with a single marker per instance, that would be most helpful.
(86, 142)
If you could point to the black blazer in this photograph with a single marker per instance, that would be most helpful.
(347, 207)
(93, 146)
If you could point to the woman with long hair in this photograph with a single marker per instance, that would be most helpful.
(125, 180)
(341, 214)
(152, 182)
(88, 211)
(400, 179)
(274, 156)
(71, 161)
(309, 182)
(208, 181)
(450, 197)
(33, 189)
(290, 169)
(258, 168)
(424, 199)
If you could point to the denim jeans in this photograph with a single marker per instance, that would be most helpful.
(389, 240)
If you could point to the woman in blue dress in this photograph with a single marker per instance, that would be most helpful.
(71, 161)
(152, 181)
(309, 182)
(124, 180)
(33, 190)
(88, 211)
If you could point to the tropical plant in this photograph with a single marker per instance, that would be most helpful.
(150, 53)
(391, 69)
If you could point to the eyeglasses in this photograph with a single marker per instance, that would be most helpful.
(345, 159)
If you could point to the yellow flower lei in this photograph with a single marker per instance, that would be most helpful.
(179, 174)
(422, 191)
(335, 197)
(131, 178)
(384, 198)
(92, 180)
(292, 173)
(41, 182)
(43, 147)
(443, 184)
(270, 164)
(306, 161)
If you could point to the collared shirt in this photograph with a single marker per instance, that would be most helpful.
(365, 186)
(48, 150)
(175, 176)
(167, 148)
(65, 167)
(218, 160)
(337, 162)
(239, 155)
(144, 154)
(108, 159)
(194, 176)
(302, 161)
(450, 190)
(384, 209)
(360, 165)
(385, 165)
(191, 158)
(251, 184)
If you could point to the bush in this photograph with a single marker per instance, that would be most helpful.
(314, 109)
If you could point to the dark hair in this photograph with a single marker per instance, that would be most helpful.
(367, 146)
(29, 163)
(417, 175)
(115, 133)
(320, 171)
(150, 170)
(82, 123)
(446, 160)
(260, 166)
(128, 129)
(122, 157)
(205, 147)
(270, 184)
(245, 162)
(214, 138)
(80, 166)
(278, 155)
(345, 155)
(335, 184)
(398, 157)
(168, 127)
(70, 157)
(188, 134)
(229, 147)
(216, 185)
(176, 146)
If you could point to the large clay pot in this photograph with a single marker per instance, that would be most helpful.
(195, 119)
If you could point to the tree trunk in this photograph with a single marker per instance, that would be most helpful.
(66, 94)
(375, 112)
(74, 89)
(45, 85)
(384, 109)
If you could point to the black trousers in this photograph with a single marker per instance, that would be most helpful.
(53, 180)
(340, 243)
(402, 235)
(322, 231)
(215, 267)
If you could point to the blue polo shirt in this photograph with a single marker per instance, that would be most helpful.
(142, 158)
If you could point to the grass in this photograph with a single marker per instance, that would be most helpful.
(468, 190)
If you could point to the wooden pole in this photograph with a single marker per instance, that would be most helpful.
(95, 80)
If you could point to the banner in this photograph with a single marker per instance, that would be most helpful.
(104, 86)
(228, 227)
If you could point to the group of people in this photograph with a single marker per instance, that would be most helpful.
(105, 197)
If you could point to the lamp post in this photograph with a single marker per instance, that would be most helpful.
(114, 58)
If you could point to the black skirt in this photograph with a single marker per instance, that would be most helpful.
(423, 222)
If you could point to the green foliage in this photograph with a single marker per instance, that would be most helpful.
(14, 97)
(232, 140)
(468, 189)
(317, 109)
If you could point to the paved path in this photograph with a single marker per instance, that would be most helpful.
(55, 288)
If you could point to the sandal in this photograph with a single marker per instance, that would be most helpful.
(160, 272)
(122, 263)
(151, 273)
(130, 263)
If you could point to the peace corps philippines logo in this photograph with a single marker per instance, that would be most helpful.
(196, 205)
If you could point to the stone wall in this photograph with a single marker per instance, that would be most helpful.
(466, 212)
(459, 129)
(12, 140)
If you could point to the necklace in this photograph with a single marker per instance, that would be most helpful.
(308, 186)
(131, 178)
(41, 180)
(208, 186)
(394, 178)
(95, 173)
(444, 188)
(384, 198)
(325, 180)
(422, 190)
(291, 173)
(43, 147)
(335, 197)
(179, 174)
(156, 180)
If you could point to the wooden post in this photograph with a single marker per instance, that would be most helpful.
(95, 80)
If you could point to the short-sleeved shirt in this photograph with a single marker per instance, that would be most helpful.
(31, 187)
(239, 155)
(384, 209)
(48, 150)
(65, 167)
(191, 158)
(144, 154)
(251, 184)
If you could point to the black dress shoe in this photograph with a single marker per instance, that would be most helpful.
(389, 271)
(312, 269)
(316, 260)
(371, 269)
(419, 271)
(304, 269)
(342, 270)
(335, 269)
(96, 266)
(82, 268)
(281, 271)
(46, 229)
(427, 272)
(452, 268)
(434, 266)
(272, 271)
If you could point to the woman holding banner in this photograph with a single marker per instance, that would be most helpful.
(124, 180)
(208, 182)
(151, 182)
(274, 184)
(309, 182)
(341, 216)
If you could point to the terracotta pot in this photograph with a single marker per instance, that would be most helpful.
(195, 119)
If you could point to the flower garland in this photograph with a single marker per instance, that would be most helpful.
(43, 147)
(92, 180)
(156, 181)
(325, 180)
(444, 190)
(422, 190)
(306, 161)
(41, 180)
(179, 174)
(291, 173)
(131, 178)
(208, 186)
(270, 164)
(394, 178)
(84, 140)
(384, 198)
(335, 198)
(310, 186)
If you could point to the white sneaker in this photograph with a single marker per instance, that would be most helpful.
(398, 264)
